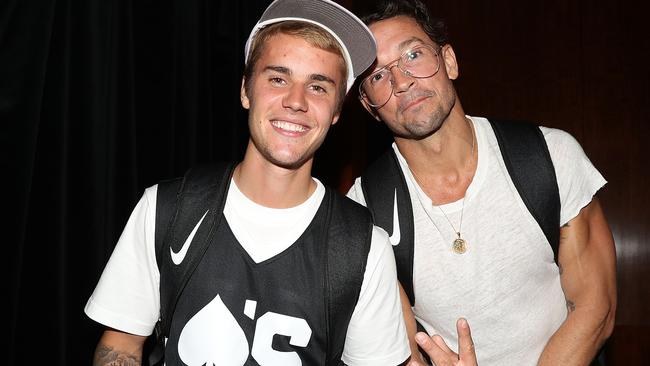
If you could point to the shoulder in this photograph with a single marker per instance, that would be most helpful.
(578, 179)
(557, 138)
(563, 147)
(380, 178)
(150, 196)
(381, 253)
(349, 208)
(356, 192)
(561, 142)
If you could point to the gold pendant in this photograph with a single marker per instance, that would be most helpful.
(459, 246)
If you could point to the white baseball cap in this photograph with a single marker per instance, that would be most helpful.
(356, 40)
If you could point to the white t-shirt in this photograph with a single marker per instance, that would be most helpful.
(507, 284)
(127, 295)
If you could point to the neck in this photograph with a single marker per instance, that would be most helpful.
(449, 148)
(271, 185)
(445, 162)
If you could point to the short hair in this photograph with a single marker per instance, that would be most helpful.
(434, 27)
(313, 34)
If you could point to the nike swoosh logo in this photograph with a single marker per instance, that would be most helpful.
(177, 258)
(395, 237)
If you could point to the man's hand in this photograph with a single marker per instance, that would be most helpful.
(442, 355)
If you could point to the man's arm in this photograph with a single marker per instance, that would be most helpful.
(587, 261)
(411, 328)
(117, 348)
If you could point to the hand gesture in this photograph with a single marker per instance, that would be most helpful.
(442, 355)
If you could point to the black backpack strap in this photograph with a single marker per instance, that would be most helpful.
(529, 164)
(166, 201)
(385, 191)
(199, 197)
(348, 237)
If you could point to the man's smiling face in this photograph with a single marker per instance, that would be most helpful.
(292, 99)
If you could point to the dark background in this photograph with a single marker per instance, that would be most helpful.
(100, 99)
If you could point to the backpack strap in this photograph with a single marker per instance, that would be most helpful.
(348, 237)
(387, 196)
(530, 167)
(166, 202)
(196, 202)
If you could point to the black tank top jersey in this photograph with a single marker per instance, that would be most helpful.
(236, 311)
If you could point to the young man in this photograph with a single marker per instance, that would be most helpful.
(475, 251)
(261, 293)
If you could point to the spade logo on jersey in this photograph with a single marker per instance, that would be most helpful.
(213, 337)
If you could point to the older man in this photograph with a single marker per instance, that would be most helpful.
(492, 221)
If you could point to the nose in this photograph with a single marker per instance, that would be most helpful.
(402, 80)
(295, 98)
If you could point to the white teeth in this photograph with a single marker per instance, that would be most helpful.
(288, 126)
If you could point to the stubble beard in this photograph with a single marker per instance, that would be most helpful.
(292, 162)
(426, 125)
(290, 158)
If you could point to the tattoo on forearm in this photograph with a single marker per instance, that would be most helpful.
(107, 356)
(570, 305)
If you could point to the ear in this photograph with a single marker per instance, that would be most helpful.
(371, 110)
(335, 118)
(242, 95)
(449, 58)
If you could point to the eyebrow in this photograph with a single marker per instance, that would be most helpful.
(280, 69)
(286, 71)
(408, 42)
(320, 77)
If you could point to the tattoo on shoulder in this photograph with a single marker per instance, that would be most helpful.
(566, 225)
(107, 356)
(570, 306)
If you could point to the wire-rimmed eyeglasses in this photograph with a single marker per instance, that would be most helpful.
(418, 62)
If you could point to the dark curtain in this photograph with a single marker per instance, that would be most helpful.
(98, 100)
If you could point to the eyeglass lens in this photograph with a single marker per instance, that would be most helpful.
(419, 62)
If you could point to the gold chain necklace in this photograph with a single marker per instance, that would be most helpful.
(459, 245)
